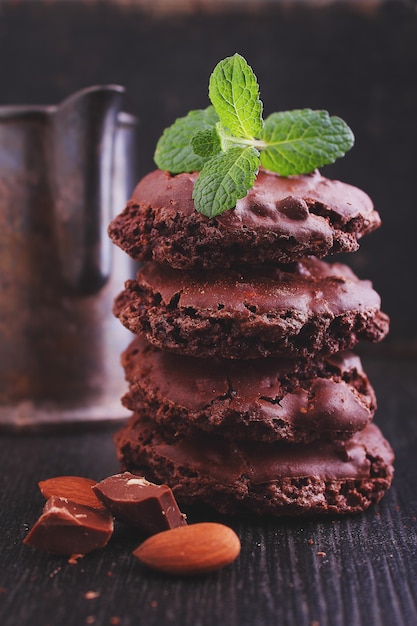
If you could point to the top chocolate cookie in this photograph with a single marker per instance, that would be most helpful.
(279, 221)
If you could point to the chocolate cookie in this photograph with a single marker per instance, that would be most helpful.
(260, 400)
(300, 310)
(323, 477)
(279, 221)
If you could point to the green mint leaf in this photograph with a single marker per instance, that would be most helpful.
(224, 179)
(299, 141)
(227, 142)
(234, 92)
(174, 152)
(206, 142)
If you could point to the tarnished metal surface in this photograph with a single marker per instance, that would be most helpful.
(64, 171)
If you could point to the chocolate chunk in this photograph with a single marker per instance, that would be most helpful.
(294, 208)
(66, 527)
(134, 500)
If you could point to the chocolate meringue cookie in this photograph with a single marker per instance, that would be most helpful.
(301, 310)
(274, 399)
(323, 477)
(279, 221)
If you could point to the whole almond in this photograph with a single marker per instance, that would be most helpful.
(74, 488)
(195, 549)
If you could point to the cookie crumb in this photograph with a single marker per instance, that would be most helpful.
(91, 595)
(55, 572)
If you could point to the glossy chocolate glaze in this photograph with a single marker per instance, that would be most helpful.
(294, 205)
(308, 287)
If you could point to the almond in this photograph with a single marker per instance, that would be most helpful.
(74, 488)
(195, 549)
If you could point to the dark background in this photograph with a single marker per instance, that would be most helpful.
(359, 61)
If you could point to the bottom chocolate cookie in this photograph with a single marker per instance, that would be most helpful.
(322, 477)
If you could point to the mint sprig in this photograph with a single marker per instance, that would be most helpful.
(228, 141)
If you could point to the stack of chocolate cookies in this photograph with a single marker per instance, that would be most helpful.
(244, 390)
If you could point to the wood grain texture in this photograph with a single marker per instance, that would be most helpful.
(360, 570)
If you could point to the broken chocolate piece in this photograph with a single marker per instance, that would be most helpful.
(136, 501)
(66, 528)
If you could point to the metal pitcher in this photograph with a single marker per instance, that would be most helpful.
(64, 172)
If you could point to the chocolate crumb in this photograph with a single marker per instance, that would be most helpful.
(74, 558)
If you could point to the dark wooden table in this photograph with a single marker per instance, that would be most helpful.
(355, 571)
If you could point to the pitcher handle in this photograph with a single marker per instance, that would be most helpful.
(83, 130)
